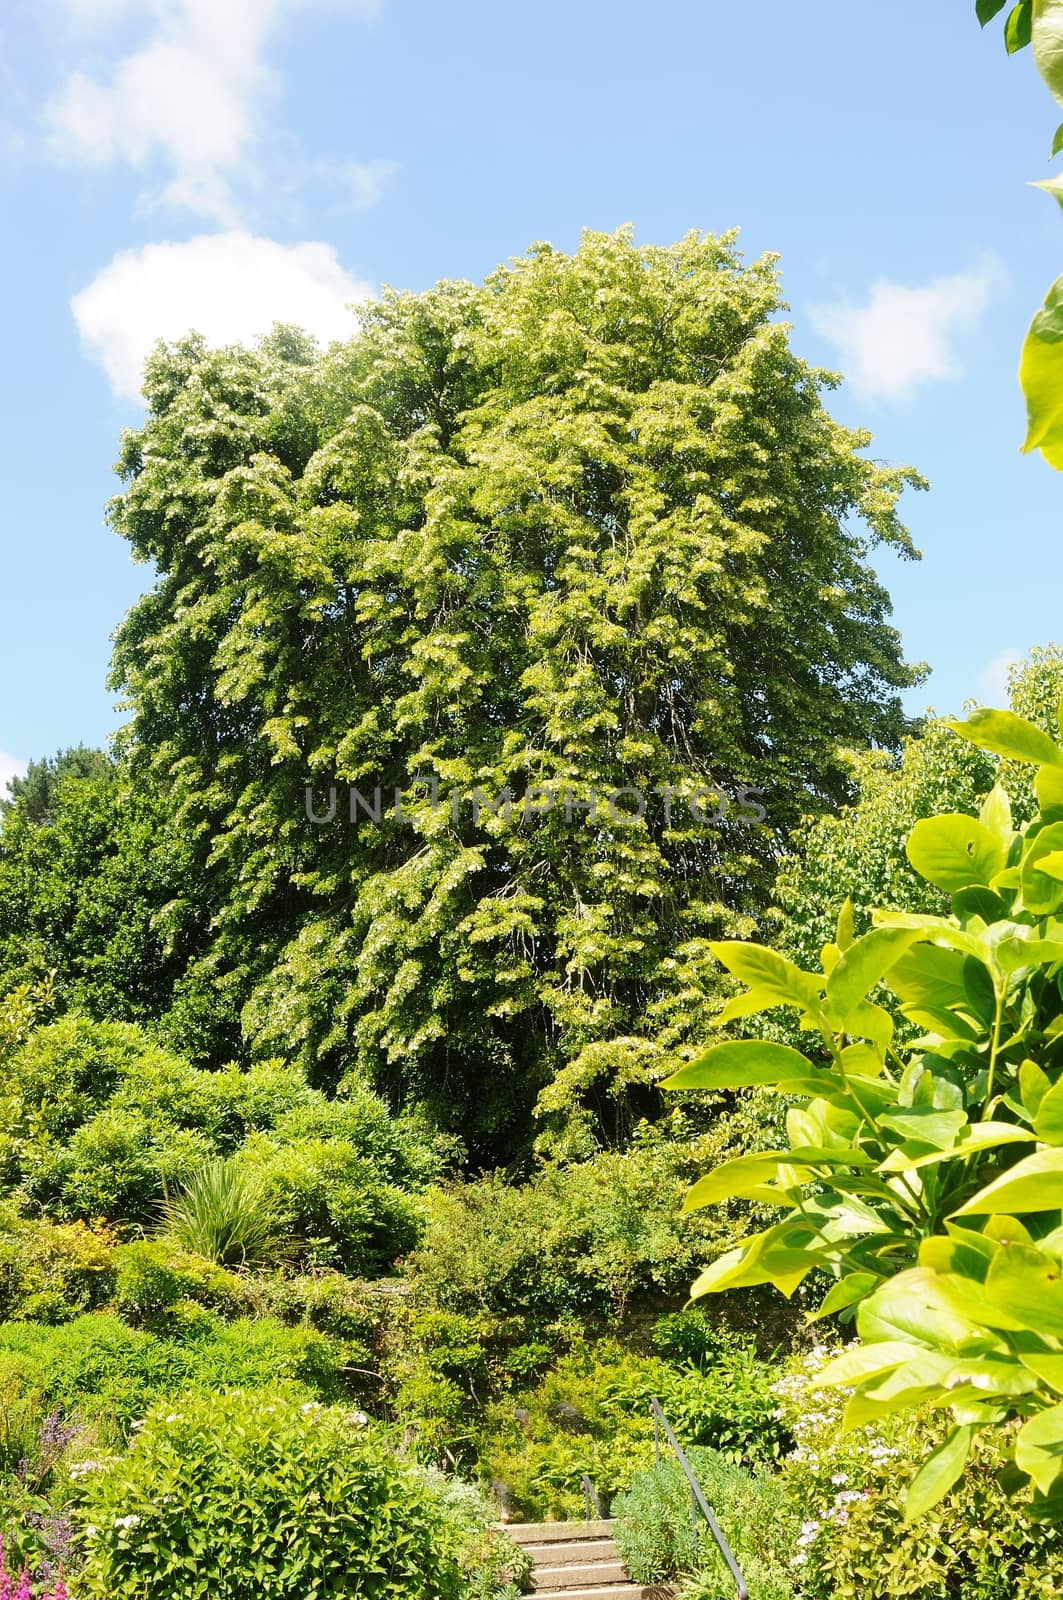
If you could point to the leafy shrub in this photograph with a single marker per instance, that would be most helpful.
(152, 1277)
(98, 1368)
(587, 1239)
(655, 1531)
(225, 1214)
(979, 1543)
(50, 1272)
(263, 1493)
(334, 1203)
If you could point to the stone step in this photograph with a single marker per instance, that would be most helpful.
(610, 1591)
(548, 1532)
(577, 1575)
(559, 1554)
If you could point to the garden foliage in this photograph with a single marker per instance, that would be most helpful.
(927, 1180)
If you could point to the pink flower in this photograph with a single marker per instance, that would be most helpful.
(24, 1590)
(59, 1592)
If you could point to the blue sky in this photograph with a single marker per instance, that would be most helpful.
(222, 162)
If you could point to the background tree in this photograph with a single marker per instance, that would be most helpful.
(589, 526)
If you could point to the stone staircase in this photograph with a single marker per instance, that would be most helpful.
(577, 1561)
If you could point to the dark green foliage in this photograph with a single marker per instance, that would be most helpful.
(35, 794)
(99, 886)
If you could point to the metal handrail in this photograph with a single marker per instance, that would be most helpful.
(590, 1496)
(698, 1500)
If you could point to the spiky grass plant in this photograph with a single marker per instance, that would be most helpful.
(225, 1214)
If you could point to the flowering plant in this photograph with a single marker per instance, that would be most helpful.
(850, 1489)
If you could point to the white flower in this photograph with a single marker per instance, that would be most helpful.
(132, 1521)
(839, 1477)
(311, 1405)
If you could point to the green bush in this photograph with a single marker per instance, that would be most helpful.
(152, 1277)
(590, 1239)
(264, 1494)
(335, 1205)
(51, 1272)
(655, 1531)
(99, 1369)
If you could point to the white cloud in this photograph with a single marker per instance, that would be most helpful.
(191, 94)
(230, 287)
(993, 684)
(906, 336)
(10, 767)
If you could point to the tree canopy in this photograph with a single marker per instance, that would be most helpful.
(587, 526)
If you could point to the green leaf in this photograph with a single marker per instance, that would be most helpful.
(1004, 732)
(735, 1178)
(929, 976)
(766, 970)
(953, 851)
(1042, 892)
(1018, 29)
(1046, 1366)
(926, 1125)
(847, 1292)
(843, 936)
(913, 1304)
(1048, 786)
(1041, 374)
(969, 1141)
(1047, 33)
(1057, 142)
(862, 966)
(995, 814)
(938, 1473)
(1048, 1118)
(1034, 1084)
(1034, 1184)
(1039, 1447)
(1027, 1284)
(861, 1361)
(743, 1063)
(988, 9)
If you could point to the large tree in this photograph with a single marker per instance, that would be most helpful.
(587, 526)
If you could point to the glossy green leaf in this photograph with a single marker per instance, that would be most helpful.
(1018, 29)
(969, 1141)
(1041, 891)
(1039, 1447)
(926, 1125)
(1057, 142)
(929, 976)
(995, 814)
(913, 1305)
(769, 972)
(1027, 1285)
(1046, 1366)
(1033, 1184)
(953, 851)
(735, 1178)
(988, 9)
(743, 1063)
(1004, 732)
(845, 1294)
(938, 1473)
(1041, 374)
(1048, 1119)
(1034, 1084)
(1047, 35)
(863, 966)
(844, 931)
